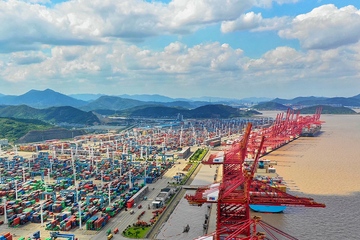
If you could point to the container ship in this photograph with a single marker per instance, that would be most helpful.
(266, 172)
(311, 131)
(268, 208)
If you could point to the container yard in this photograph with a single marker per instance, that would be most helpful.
(87, 185)
(66, 193)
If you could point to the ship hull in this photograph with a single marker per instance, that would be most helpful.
(267, 209)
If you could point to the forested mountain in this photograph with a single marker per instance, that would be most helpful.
(208, 111)
(270, 106)
(54, 115)
(41, 99)
(308, 101)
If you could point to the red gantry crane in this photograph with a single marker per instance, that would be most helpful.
(237, 191)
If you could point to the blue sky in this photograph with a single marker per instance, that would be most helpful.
(181, 48)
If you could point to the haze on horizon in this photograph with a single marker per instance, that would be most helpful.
(181, 48)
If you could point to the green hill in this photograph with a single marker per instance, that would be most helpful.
(12, 129)
(54, 115)
(270, 106)
(208, 111)
(327, 110)
(215, 111)
(42, 99)
(154, 112)
(112, 103)
(309, 101)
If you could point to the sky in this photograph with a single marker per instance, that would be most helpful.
(181, 48)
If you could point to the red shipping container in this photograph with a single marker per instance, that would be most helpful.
(96, 224)
(68, 226)
(6, 234)
(16, 221)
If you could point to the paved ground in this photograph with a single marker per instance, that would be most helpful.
(186, 214)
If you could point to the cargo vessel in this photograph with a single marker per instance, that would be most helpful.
(270, 208)
(266, 172)
(311, 131)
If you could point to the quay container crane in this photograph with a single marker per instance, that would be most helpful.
(237, 191)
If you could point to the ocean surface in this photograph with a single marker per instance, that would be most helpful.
(327, 169)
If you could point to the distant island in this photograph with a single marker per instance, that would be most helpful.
(273, 106)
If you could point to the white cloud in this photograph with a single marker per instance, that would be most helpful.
(175, 47)
(288, 65)
(86, 44)
(255, 22)
(119, 61)
(246, 21)
(189, 12)
(37, 1)
(25, 58)
(227, 59)
(273, 24)
(80, 22)
(325, 27)
(268, 3)
(119, 67)
(286, 1)
(28, 26)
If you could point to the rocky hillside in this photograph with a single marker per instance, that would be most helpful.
(55, 133)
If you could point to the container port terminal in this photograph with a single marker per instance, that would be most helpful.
(97, 186)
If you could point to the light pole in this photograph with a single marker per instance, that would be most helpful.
(78, 201)
(49, 176)
(130, 182)
(54, 153)
(76, 188)
(23, 172)
(51, 164)
(110, 193)
(5, 213)
(120, 168)
(16, 192)
(145, 173)
(41, 214)
(102, 176)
